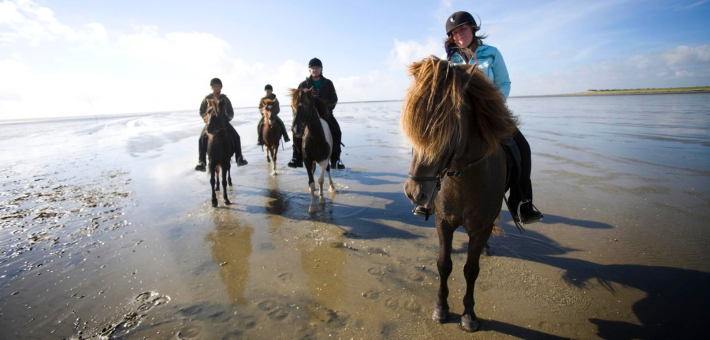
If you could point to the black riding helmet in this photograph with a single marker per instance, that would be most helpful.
(315, 62)
(460, 18)
(268, 87)
(215, 81)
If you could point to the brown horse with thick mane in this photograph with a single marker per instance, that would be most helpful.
(271, 133)
(455, 120)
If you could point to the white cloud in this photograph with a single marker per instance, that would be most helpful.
(407, 52)
(677, 67)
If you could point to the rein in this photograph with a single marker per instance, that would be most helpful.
(444, 174)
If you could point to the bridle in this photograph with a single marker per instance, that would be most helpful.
(441, 177)
(309, 115)
(214, 112)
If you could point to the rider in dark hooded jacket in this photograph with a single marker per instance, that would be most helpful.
(275, 109)
(322, 88)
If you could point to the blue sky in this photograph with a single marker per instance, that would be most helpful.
(68, 58)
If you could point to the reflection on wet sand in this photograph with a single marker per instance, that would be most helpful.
(323, 261)
(231, 247)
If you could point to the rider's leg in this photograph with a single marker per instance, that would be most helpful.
(202, 150)
(337, 138)
(259, 130)
(528, 214)
(236, 144)
(283, 129)
(297, 160)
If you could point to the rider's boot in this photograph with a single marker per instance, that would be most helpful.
(259, 131)
(528, 213)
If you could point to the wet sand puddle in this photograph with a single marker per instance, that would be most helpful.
(118, 240)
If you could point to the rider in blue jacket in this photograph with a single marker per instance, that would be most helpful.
(461, 45)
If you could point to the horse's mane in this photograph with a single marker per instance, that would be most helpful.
(305, 97)
(431, 113)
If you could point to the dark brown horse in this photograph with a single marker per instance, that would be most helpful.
(219, 147)
(317, 145)
(455, 120)
(271, 133)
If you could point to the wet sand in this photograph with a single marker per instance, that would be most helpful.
(108, 232)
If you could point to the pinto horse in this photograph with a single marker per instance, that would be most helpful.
(455, 120)
(219, 147)
(271, 133)
(308, 123)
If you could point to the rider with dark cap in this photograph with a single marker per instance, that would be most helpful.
(322, 88)
(275, 109)
(216, 86)
(461, 46)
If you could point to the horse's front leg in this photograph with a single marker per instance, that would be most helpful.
(268, 160)
(229, 175)
(311, 183)
(445, 266)
(212, 182)
(321, 179)
(476, 241)
(224, 185)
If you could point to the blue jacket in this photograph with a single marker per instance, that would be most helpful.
(491, 62)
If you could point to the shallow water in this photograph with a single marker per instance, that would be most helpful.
(108, 232)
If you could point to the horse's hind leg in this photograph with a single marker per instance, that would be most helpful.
(274, 151)
(229, 176)
(212, 182)
(476, 241)
(445, 266)
(217, 178)
(321, 179)
(330, 179)
(225, 170)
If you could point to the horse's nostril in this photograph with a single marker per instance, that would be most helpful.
(421, 197)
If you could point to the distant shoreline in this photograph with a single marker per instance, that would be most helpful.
(677, 90)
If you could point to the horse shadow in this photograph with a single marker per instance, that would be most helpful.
(677, 301)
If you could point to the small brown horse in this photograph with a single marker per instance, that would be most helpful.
(271, 133)
(455, 120)
(309, 113)
(219, 147)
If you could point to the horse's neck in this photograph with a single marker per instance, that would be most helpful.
(315, 128)
(474, 149)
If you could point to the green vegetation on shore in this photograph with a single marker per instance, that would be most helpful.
(645, 91)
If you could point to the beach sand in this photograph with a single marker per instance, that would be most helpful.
(107, 231)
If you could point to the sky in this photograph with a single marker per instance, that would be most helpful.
(77, 58)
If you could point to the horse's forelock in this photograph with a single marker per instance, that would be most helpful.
(431, 112)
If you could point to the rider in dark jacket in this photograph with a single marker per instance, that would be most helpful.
(275, 109)
(322, 88)
(216, 86)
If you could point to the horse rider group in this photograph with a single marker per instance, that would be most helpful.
(462, 46)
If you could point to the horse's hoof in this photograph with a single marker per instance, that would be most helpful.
(332, 189)
(440, 314)
(268, 160)
(216, 189)
(322, 201)
(312, 209)
(214, 204)
(469, 323)
(230, 183)
(274, 173)
(227, 202)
